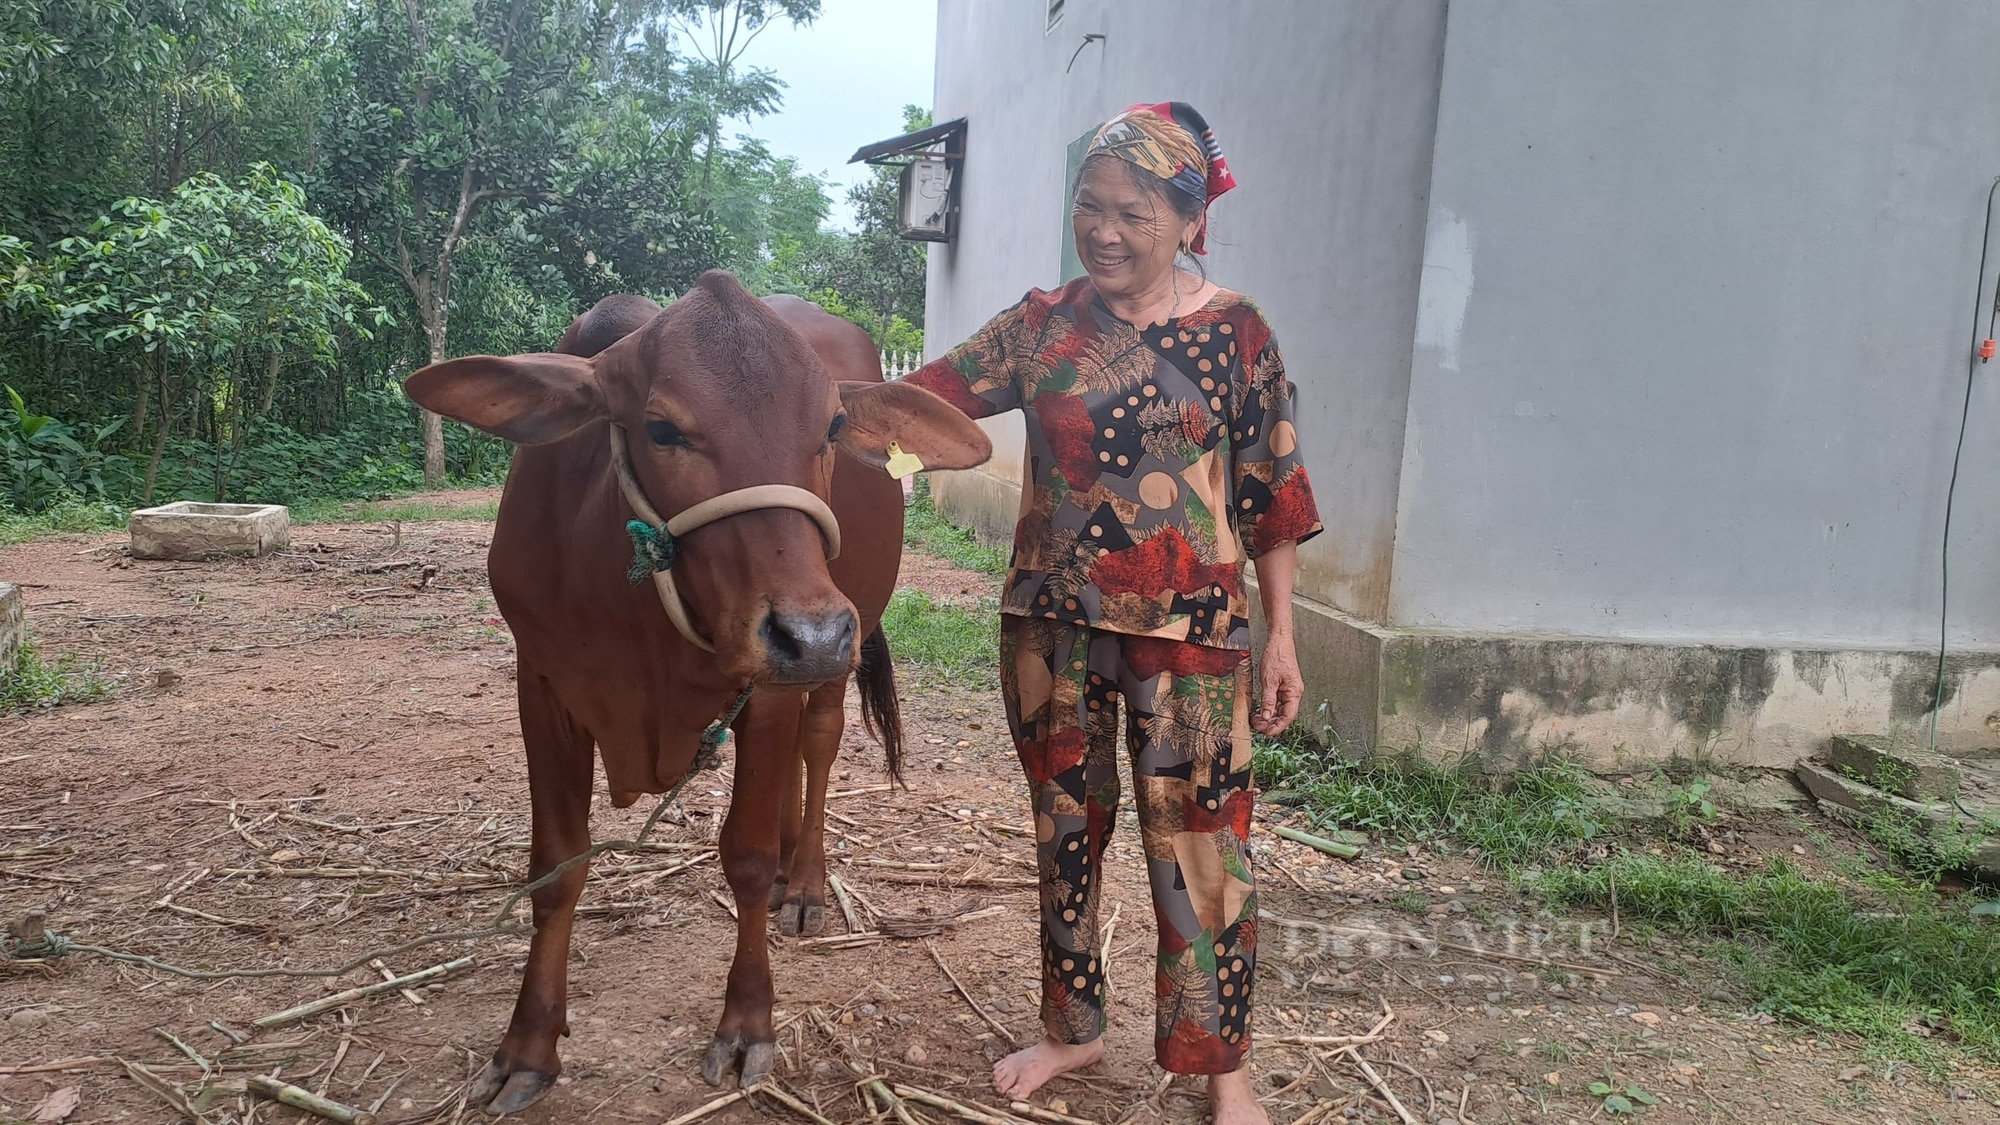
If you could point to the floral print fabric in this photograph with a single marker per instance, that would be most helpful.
(1187, 719)
(1158, 460)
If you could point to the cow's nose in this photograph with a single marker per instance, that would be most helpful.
(809, 649)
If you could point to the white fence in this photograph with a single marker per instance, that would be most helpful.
(896, 364)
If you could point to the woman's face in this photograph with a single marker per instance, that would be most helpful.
(1126, 237)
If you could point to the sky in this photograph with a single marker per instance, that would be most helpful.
(848, 76)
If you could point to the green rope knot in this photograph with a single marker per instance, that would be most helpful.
(709, 757)
(51, 946)
(653, 550)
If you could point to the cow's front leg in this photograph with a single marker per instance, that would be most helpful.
(766, 737)
(559, 776)
(804, 910)
(789, 824)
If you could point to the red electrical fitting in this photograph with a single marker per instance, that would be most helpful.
(1986, 350)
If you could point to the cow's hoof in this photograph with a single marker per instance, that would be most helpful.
(723, 1055)
(721, 1059)
(500, 1090)
(777, 898)
(801, 918)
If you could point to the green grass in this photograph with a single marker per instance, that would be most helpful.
(1534, 816)
(76, 516)
(68, 517)
(924, 529)
(34, 684)
(944, 643)
(1915, 975)
(383, 511)
(1868, 949)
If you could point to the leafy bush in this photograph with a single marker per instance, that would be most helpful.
(68, 515)
(32, 684)
(44, 463)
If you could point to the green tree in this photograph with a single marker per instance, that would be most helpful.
(884, 272)
(720, 32)
(448, 107)
(209, 300)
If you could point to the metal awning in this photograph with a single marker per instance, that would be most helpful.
(950, 133)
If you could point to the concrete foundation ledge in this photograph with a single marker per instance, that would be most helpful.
(13, 625)
(1615, 706)
(190, 530)
(1622, 706)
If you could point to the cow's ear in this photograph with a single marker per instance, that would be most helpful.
(527, 399)
(916, 421)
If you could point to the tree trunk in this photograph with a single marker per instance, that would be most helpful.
(142, 403)
(434, 328)
(159, 441)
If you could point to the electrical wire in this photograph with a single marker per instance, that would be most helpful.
(1972, 362)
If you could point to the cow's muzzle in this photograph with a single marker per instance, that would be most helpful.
(809, 649)
(798, 644)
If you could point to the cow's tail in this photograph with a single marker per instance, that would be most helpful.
(881, 714)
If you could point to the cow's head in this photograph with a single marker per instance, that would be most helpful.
(714, 394)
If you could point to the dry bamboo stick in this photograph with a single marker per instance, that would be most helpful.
(232, 923)
(846, 903)
(701, 1111)
(83, 1063)
(1023, 1109)
(1318, 843)
(164, 1090)
(360, 873)
(1381, 1087)
(278, 1019)
(772, 1090)
(858, 791)
(387, 975)
(981, 1114)
(308, 1101)
(206, 1066)
(982, 1012)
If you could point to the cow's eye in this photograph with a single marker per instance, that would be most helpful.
(833, 432)
(666, 433)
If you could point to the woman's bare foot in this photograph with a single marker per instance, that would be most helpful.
(1023, 1072)
(1231, 1100)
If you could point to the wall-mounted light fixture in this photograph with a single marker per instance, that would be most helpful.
(927, 192)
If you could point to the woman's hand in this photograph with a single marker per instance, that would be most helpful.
(1283, 687)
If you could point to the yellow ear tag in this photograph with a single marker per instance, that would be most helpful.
(901, 464)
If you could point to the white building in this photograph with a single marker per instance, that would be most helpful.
(1631, 341)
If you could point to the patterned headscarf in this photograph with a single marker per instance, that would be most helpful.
(1173, 142)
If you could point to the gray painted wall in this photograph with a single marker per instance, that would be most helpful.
(1636, 321)
(1696, 309)
(1325, 112)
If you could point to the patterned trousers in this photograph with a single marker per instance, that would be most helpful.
(1188, 729)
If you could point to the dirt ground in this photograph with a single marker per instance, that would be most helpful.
(315, 754)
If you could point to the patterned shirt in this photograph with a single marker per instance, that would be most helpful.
(1157, 461)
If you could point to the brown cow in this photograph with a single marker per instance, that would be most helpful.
(716, 393)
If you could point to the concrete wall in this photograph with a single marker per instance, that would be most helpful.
(1695, 318)
(1630, 339)
(1325, 112)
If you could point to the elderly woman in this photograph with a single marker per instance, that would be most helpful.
(1161, 455)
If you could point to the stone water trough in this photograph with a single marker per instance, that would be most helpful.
(189, 530)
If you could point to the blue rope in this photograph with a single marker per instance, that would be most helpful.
(653, 550)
